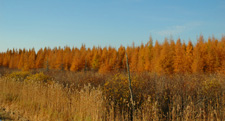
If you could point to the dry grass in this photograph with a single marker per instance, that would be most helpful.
(51, 102)
(180, 97)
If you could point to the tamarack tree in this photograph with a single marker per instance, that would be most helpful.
(167, 57)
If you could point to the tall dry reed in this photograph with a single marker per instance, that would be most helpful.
(39, 102)
(180, 97)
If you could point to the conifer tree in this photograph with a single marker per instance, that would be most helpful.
(120, 61)
(58, 59)
(156, 56)
(221, 54)
(21, 61)
(134, 59)
(1, 59)
(6, 58)
(148, 55)
(105, 59)
(188, 58)
(32, 58)
(76, 62)
(179, 58)
(11, 62)
(141, 59)
(26, 62)
(198, 65)
(95, 63)
(112, 59)
(67, 58)
(40, 59)
(166, 59)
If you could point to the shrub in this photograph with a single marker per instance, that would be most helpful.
(18, 76)
(39, 78)
(211, 86)
(116, 90)
(211, 89)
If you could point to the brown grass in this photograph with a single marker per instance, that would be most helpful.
(179, 97)
(51, 102)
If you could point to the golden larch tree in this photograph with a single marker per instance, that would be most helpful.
(166, 59)
(141, 59)
(59, 59)
(134, 59)
(179, 58)
(40, 59)
(188, 58)
(31, 58)
(198, 65)
(67, 58)
(120, 61)
(148, 55)
(95, 63)
(156, 55)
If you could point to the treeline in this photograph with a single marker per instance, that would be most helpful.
(206, 56)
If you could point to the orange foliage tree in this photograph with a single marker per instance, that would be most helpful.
(198, 65)
(166, 58)
(179, 58)
(188, 58)
(165, 63)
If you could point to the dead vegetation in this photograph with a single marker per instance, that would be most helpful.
(93, 96)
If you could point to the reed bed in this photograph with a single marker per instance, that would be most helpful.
(181, 97)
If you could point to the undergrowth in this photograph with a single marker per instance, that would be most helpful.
(92, 96)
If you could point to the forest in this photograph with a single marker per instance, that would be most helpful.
(169, 57)
(172, 80)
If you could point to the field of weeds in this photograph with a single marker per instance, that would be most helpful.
(95, 97)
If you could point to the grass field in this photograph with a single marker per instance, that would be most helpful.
(91, 96)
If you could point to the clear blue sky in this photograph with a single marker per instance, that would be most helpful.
(40, 23)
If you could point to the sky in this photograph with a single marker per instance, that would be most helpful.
(51, 23)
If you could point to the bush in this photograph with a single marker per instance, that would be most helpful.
(18, 76)
(116, 90)
(212, 89)
(211, 86)
(39, 78)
